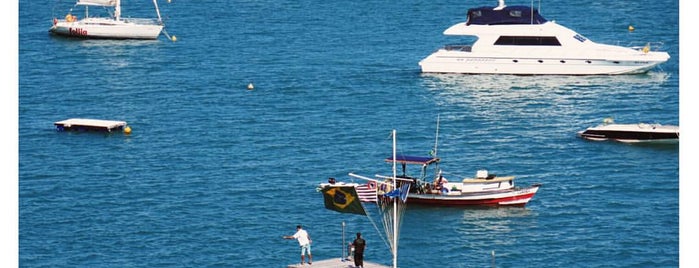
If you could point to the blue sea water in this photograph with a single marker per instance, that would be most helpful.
(214, 174)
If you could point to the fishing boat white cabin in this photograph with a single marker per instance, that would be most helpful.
(518, 40)
(112, 27)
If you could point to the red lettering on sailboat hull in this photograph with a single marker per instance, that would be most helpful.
(77, 31)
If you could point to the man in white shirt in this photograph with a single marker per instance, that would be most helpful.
(304, 241)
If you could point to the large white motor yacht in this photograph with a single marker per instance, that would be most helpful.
(518, 40)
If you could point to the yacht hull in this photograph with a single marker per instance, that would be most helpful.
(445, 62)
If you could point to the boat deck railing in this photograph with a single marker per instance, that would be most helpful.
(651, 46)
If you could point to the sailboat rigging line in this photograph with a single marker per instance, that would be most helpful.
(167, 35)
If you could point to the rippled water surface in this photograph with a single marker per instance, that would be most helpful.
(214, 175)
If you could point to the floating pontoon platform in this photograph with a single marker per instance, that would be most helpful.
(335, 263)
(81, 124)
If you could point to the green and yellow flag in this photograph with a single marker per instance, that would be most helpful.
(343, 199)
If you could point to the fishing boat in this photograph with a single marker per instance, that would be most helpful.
(483, 189)
(518, 40)
(431, 186)
(113, 26)
(632, 133)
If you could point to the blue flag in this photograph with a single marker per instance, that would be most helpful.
(401, 192)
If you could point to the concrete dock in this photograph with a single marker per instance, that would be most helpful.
(335, 263)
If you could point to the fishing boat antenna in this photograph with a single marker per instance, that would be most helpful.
(436, 138)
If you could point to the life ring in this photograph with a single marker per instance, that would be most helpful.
(371, 185)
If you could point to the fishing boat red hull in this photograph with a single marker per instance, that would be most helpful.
(515, 197)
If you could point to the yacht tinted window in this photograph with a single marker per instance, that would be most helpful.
(527, 41)
(515, 13)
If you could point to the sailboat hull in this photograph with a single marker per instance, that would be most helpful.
(100, 28)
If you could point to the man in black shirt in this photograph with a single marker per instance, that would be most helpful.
(359, 245)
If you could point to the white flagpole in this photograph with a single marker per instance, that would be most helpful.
(395, 209)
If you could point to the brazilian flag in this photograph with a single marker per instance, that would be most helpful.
(343, 199)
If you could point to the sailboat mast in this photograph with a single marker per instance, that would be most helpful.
(395, 207)
(117, 10)
(157, 10)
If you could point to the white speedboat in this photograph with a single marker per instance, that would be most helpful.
(641, 132)
(112, 27)
(518, 40)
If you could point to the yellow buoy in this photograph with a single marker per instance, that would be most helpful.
(127, 130)
(174, 38)
(250, 86)
(631, 28)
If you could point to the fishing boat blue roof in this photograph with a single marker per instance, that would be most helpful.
(407, 159)
(507, 15)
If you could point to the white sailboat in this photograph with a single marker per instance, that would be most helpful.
(112, 27)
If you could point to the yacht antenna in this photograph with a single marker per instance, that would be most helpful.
(531, 10)
(501, 5)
